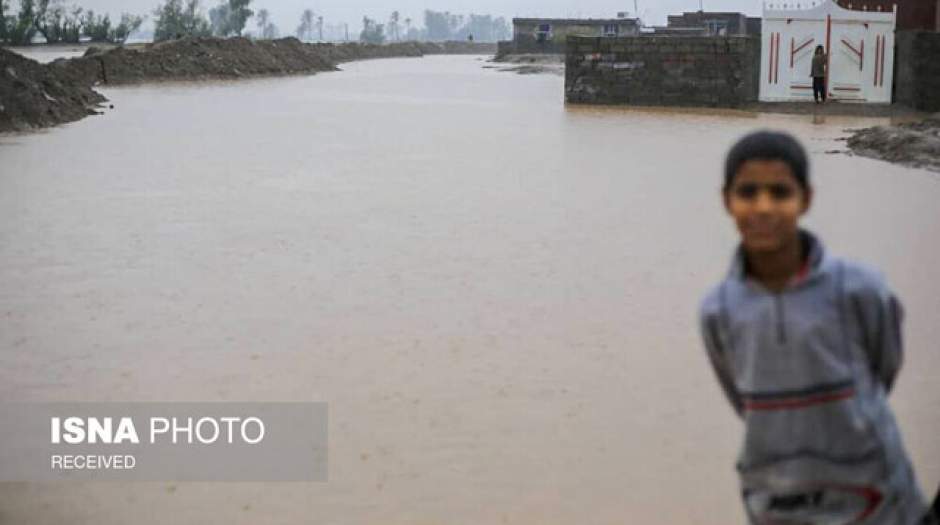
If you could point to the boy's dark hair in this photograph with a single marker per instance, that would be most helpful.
(768, 145)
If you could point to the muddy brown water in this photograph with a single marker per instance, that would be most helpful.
(495, 294)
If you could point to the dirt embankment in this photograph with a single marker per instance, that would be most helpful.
(350, 52)
(915, 144)
(196, 59)
(34, 96)
(457, 48)
(212, 58)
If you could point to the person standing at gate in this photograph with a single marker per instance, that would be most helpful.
(820, 63)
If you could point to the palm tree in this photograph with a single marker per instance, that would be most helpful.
(393, 32)
(262, 18)
(305, 29)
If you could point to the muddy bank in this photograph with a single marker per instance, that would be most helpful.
(457, 48)
(195, 59)
(213, 58)
(355, 51)
(831, 108)
(34, 96)
(915, 144)
(339, 53)
(529, 64)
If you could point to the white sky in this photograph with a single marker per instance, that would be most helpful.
(286, 13)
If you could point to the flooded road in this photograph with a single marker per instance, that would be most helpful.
(495, 295)
(47, 53)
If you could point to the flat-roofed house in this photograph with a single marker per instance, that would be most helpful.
(548, 35)
(715, 23)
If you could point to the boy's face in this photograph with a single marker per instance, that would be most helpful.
(766, 202)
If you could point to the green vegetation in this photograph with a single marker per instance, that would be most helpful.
(58, 23)
(440, 26)
(229, 17)
(177, 20)
(372, 33)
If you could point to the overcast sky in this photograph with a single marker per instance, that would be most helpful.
(287, 12)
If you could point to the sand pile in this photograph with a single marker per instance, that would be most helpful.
(914, 144)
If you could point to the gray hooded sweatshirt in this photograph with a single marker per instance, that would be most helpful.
(808, 370)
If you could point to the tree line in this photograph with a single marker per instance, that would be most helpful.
(58, 23)
(438, 27)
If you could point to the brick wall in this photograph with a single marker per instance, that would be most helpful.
(528, 44)
(912, 14)
(917, 69)
(670, 71)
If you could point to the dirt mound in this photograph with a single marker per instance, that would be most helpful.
(211, 58)
(36, 95)
(33, 95)
(913, 144)
(356, 51)
(457, 48)
(196, 59)
(349, 52)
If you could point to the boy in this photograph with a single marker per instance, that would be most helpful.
(806, 347)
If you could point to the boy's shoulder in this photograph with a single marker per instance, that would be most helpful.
(859, 278)
(710, 304)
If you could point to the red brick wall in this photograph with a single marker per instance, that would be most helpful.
(912, 14)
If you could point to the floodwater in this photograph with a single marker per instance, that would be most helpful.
(47, 53)
(495, 294)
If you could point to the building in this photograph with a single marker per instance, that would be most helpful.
(754, 24)
(715, 23)
(913, 15)
(679, 31)
(548, 35)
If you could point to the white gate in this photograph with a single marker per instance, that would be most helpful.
(859, 44)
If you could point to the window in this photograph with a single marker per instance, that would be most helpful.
(543, 32)
(610, 30)
(716, 27)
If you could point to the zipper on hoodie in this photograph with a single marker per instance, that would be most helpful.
(781, 331)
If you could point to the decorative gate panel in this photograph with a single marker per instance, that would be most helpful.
(859, 44)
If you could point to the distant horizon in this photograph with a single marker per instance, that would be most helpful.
(285, 14)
